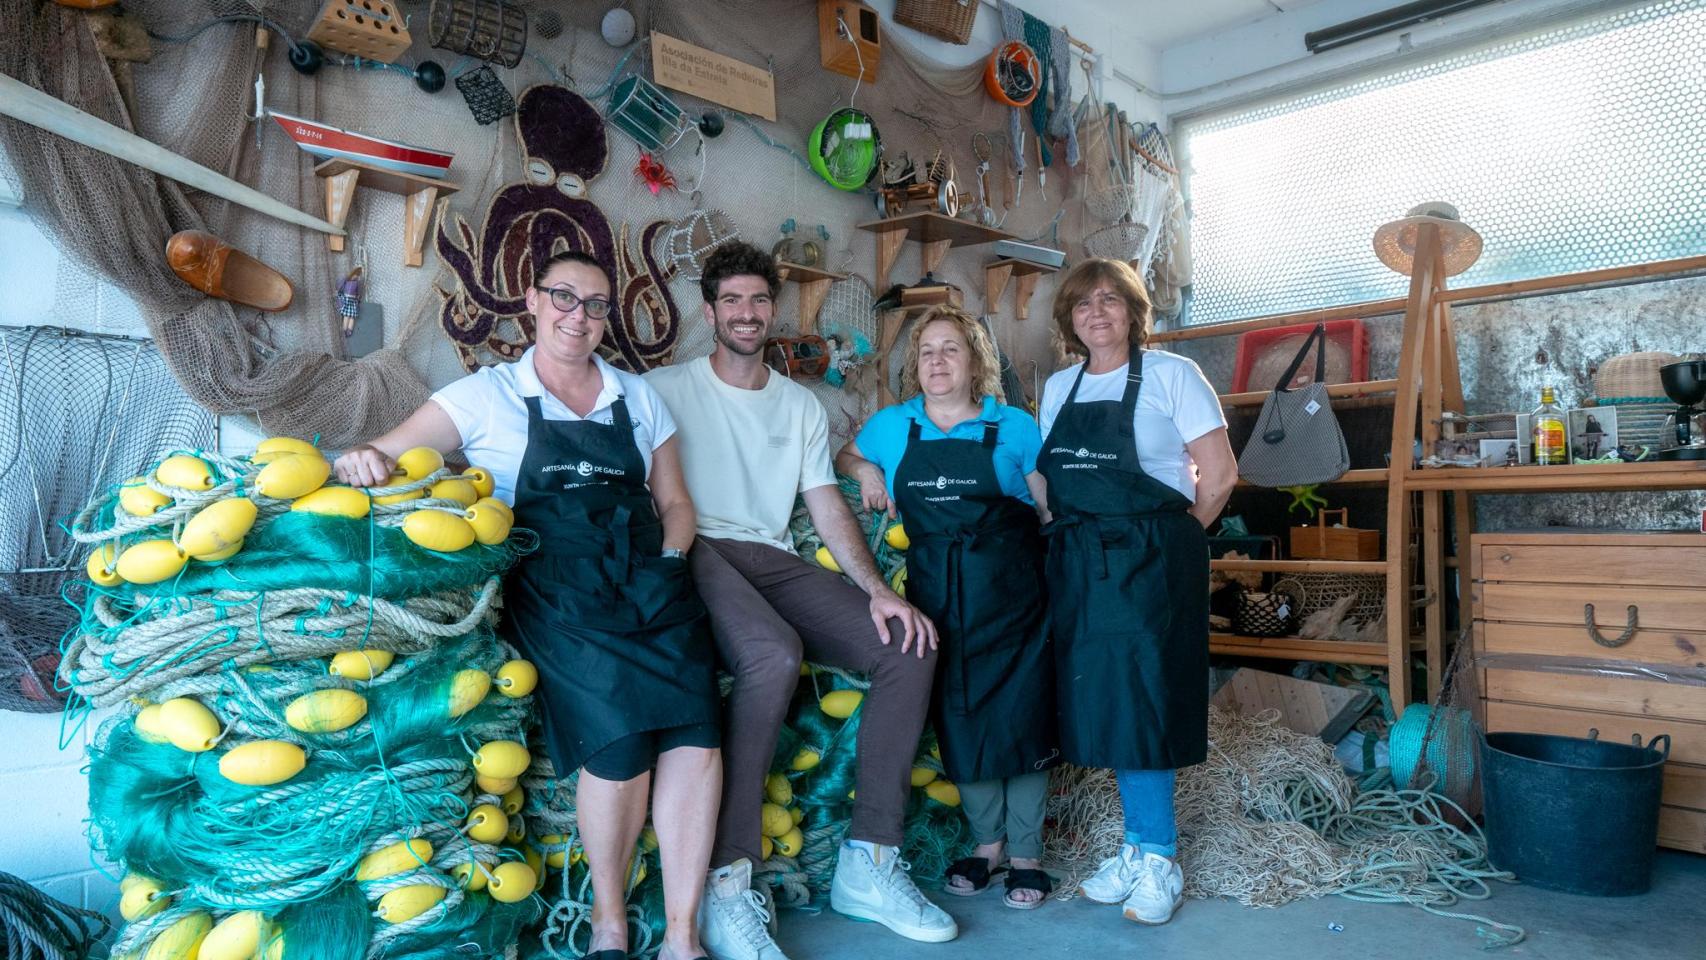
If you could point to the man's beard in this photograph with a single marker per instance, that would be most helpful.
(724, 338)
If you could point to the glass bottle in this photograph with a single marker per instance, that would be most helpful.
(1551, 436)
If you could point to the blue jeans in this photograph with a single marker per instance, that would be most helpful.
(1147, 798)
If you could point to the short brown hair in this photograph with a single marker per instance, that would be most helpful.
(985, 363)
(1087, 276)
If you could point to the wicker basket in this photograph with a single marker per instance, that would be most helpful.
(1325, 589)
(1632, 377)
(1122, 241)
(949, 20)
(1271, 614)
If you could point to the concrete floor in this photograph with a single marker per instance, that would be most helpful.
(1668, 922)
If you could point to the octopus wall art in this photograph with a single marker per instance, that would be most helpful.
(485, 314)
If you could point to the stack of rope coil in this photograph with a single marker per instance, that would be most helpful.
(320, 731)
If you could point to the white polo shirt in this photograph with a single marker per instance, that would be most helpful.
(489, 408)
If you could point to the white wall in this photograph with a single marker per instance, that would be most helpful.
(1268, 56)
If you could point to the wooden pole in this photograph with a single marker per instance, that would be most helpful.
(21, 101)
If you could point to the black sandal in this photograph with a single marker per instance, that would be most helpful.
(1027, 879)
(974, 870)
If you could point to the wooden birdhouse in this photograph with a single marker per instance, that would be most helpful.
(851, 50)
(364, 28)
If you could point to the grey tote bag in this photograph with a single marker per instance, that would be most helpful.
(1297, 439)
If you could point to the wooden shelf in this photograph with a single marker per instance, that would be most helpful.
(1579, 478)
(1369, 477)
(1297, 648)
(814, 286)
(1336, 390)
(420, 195)
(1302, 566)
(936, 232)
(1024, 275)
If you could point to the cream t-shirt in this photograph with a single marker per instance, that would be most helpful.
(746, 453)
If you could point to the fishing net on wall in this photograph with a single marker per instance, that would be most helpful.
(284, 369)
(84, 413)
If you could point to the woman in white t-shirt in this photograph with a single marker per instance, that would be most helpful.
(605, 607)
(1138, 464)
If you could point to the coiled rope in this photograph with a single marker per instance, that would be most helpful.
(38, 927)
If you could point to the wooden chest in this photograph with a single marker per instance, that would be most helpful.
(1633, 603)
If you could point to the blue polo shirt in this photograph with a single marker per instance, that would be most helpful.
(1017, 443)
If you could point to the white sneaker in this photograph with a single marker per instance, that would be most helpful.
(734, 918)
(1159, 890)
(885, 894)
(1114, 880)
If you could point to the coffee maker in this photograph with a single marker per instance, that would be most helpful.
(1685, 431)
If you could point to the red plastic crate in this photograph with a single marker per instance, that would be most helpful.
(1348, 335)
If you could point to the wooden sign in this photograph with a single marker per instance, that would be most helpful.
(682, 66)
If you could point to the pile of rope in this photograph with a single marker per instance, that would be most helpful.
(1270, 818)
(34, 926)
(320, 737)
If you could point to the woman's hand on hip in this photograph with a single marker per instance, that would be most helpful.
(919, 631)
(364, 466)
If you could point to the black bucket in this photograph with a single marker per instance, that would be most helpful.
(1574, 815)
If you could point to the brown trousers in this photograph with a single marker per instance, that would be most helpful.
(769, 609)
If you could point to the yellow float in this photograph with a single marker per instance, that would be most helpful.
(502, 758)
(486, 823)
(151, 561)
(189, 725)
(454, 488)
(482, 480)
(262, 763)
(182, 470)
(143, 898)
(778, 790)
(789, 844)
(513, 800)
(840, 704)
(237, 937)
(826, 560)
(922, 776)
(181, 940)
(512, 881)
(293, 475)
(774, 820)
(139, 499)
(897, 538)
(470, 876)
(766, 847)
(496, 786)
(335, 502)
(419, 462)
(491, 521)
(103, 561)
(218, 527)
(437, 530)
(360, 664)
(326, 711)
(147, 724)
(407, 903)
(225, 554)
(943, 792)
(467, 689)
(394, 859)
(517, 678)
(806, 759)
(556, 849)
(278, 446)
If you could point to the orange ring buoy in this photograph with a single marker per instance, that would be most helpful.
(1014, 63)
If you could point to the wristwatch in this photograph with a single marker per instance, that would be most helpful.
(673, 554)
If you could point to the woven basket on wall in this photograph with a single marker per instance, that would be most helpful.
(949, 20)
(1121, 241)
(1632, 377)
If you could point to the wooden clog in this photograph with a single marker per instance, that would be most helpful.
(220, 270)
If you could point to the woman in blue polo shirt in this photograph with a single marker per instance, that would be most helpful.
(959, 467)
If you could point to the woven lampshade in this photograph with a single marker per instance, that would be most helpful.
(1395, 243)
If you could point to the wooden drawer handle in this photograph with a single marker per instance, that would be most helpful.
(1622, 638)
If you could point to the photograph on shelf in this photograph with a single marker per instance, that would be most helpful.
(1500, 453)
(1593, 432)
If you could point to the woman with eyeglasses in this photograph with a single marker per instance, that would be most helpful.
(605, 608)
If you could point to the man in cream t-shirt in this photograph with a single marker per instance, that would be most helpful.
(751, 441)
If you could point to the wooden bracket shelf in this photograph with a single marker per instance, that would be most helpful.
(1297, 648)
(1024, 275)
(936, 232)
(420, 195)
(1575, 478)
(814, 286)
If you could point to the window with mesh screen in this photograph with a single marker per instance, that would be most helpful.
(1578, 148)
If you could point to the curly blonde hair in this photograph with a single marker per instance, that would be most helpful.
(984, 361)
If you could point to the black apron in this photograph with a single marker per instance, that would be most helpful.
(1128, 574)
(618, 633)
(974, 569)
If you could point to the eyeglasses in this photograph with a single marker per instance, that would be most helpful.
(596, 307)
